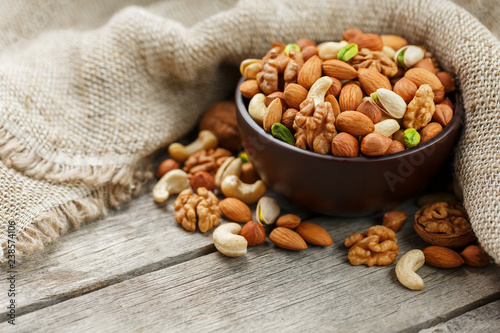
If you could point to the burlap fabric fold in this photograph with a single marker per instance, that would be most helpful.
(89, 90)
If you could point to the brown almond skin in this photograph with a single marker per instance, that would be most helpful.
(421, 76)
(345, 145)
(394, 41)
(294, 94)
(372, 80)
(166, 166)
(277, 94)
(314, 234)
(349, 34)
(371, 110)
(369, 41)
(335, 104)
(335, 88)
(395, 147)
(475, 256)
(290, 221)
(235, 210)
(339, 69)
(354, 123)
(287, 239)
(429, 131)
(273, 114)
(254, 233)
(406, 89)
(375, 144)
(442, 114)
(350, 97)
(249, 88)
(442, 257)
(447, 81)
(427, 64)
(310, 72)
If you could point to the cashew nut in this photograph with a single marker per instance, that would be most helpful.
(173, 182)
(319, 89)
(257, 108)
(228, 241)
(231, 166)
(232, 186)
(387, 127)
(205, 140)
(250, 67)
(406, 267)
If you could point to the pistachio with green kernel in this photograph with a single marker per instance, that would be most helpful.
(347, 52)
(290, 47)
(280, 131)
(409, 55)
(411, 137)
(243, 157)
(267, 210)
(390, 102)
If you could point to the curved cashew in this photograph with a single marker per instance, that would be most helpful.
(257, 108)
(387, 127)
(319, 89)
(231, 166)
(228, 242)
(232, 186)
(173, 182)
(250, 67)
(205, 140)
(406, 267)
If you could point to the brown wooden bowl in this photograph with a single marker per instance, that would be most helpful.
(454, 241)
(344, 186)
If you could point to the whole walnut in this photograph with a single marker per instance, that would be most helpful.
(220, 119)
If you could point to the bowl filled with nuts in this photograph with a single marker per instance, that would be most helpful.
(347, 127)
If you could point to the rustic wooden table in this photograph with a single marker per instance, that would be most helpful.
(138, 270)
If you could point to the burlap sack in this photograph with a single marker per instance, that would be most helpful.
(90, 89)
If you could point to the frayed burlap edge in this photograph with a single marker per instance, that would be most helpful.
(14, 154)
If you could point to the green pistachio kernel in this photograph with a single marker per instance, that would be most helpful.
(291, 46)
(347, 52)
(243, 157)
(280, 131)
(375, 97)
(411, 137)
(401, 58)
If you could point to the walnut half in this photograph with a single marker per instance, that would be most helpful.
(376, 246)
(202, 207)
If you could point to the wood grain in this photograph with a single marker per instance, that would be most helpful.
(316, 289)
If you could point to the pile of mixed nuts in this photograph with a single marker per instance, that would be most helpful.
(367, 95)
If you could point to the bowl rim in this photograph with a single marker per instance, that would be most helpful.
(453, 124)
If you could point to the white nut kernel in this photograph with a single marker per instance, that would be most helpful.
(228, 241)
(233, 187)
(267, 210)
(257, 108)
(330, 50)
(205, 140)
(173, 182)
(387, 127)
(231, 166)
(250, 67)
(390, 102)
(319, 88)
(406, 267)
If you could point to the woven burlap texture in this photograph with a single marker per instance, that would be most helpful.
(89, 90)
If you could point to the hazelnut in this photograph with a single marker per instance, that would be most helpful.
(430, 130)
(443, 114)
(375, 144)
(395, 147)
(406, 89)
(166, 166)
(248, 173)
(254, 233)
(309, 52)
(447, 81)
(202, 179)
(344, 144)
(335, 88)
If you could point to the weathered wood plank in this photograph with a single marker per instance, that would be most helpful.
(270, 288)
(141, 238)
(483, 319)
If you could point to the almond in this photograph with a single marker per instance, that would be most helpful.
(294, 94)
(393, 41)
(290, 221)
(395, 147)
(254, 233)
(287, 239)
(372, 80)
(442, 257)
(368, 41)
(310, 72)
(447, 81)
(273, 114)
(429, 131)
(421, 76)
(314, 234)
(375, 144)
(350, 97)
(339, 69)
(249, 88)
(335, 104)
(406, 89)
(309, 51)
(371, 110)
(349, 34)
(354, 123)
(443, 114)
(277, 94)
(288, 118)
(335, 87)
(475, 256)
(345, 145)
(427, 64)
(235, 210)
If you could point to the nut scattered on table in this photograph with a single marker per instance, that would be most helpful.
(254, 233)
(287, 239)
(314, 234)
(228, 241)
(235, 210)
(442, 257)
(406, 268)
(394, 220)
(377, 246)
